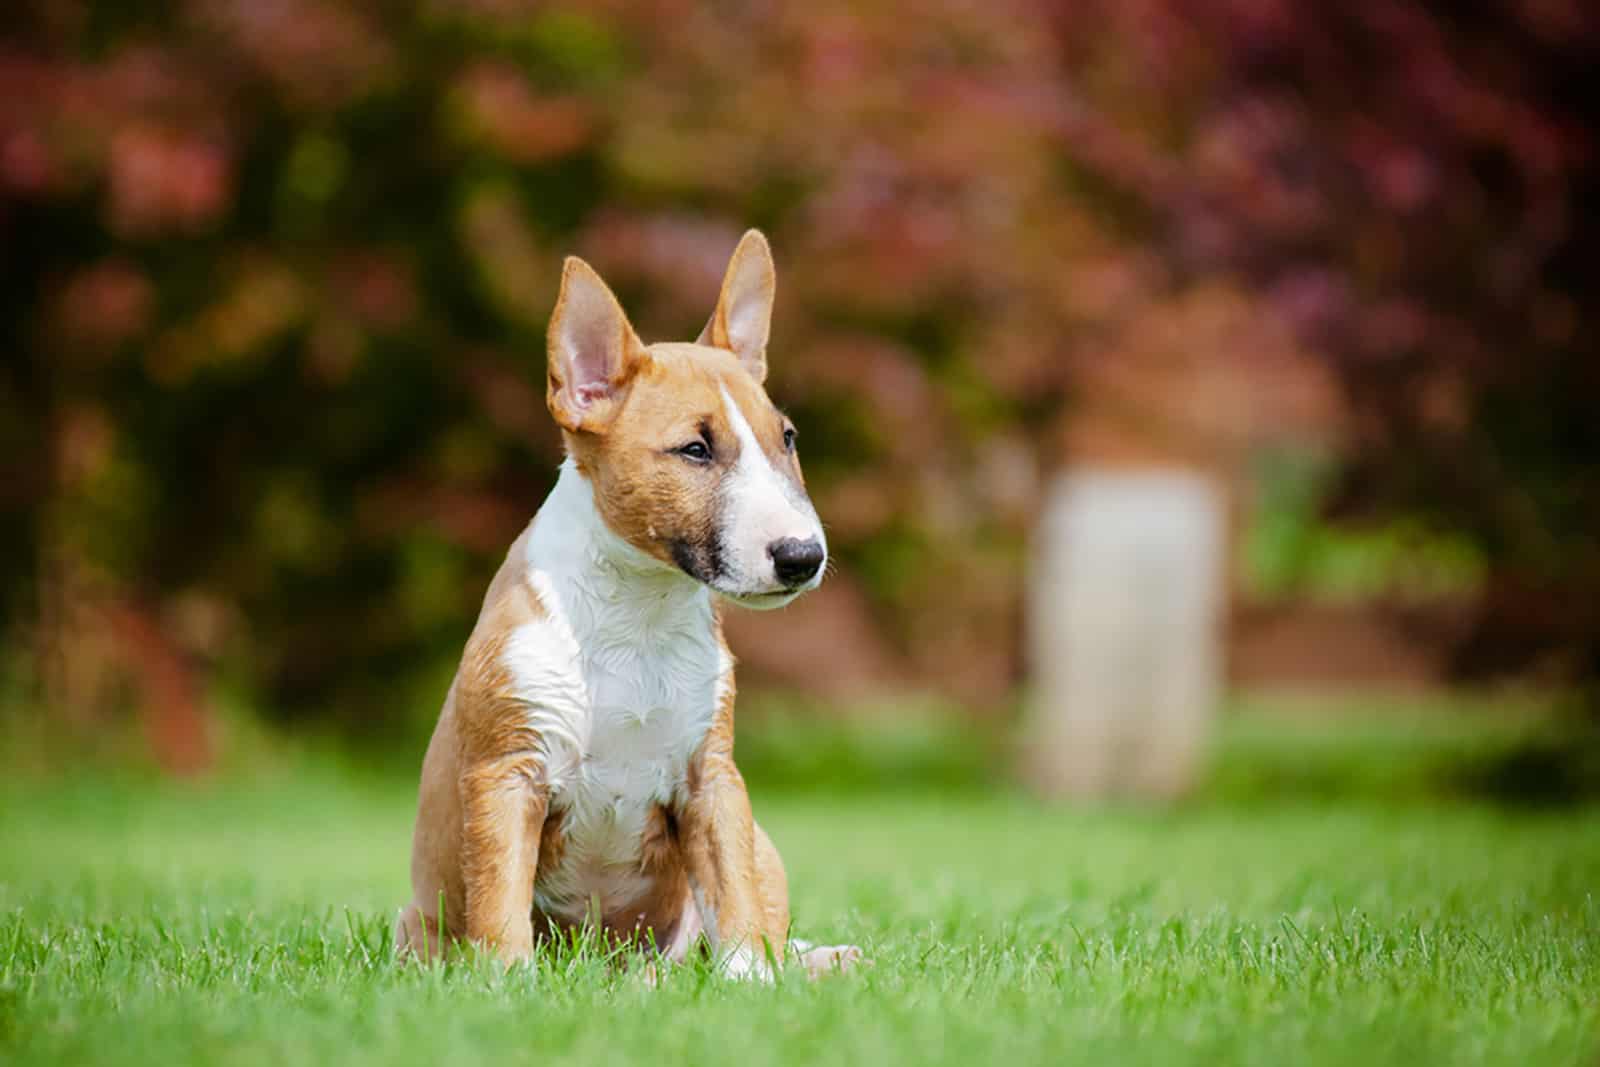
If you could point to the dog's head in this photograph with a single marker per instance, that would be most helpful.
(689, 461)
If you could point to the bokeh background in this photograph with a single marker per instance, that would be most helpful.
(275, 277)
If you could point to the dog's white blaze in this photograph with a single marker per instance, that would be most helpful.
(627, 669)
(762, 507)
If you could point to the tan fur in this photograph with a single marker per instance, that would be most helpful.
(722, 850)
(749, 282)
(481, 805)
(647, 495)
(484, 825)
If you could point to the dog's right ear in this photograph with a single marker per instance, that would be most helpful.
(592, 351)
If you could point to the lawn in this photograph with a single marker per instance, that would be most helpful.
(1373, 917)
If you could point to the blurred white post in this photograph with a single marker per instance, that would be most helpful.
(1125, 619)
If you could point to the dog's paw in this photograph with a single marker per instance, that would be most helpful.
(746, 965)
(831, 959)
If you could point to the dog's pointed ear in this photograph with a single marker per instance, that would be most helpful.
(743, 316)
(593, 352)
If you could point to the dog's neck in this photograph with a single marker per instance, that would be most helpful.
(607, 586)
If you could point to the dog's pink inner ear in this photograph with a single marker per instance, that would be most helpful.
(590, 343)
(743, 317)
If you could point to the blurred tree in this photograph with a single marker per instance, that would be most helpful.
(1412, 185)
(275, 281)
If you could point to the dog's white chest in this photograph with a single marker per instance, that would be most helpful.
(646, 719)
(634, 693)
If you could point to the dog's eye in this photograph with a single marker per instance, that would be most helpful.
(696, 451)
(789, 436)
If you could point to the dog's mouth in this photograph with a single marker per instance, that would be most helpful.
(703, 561)
(776, 598)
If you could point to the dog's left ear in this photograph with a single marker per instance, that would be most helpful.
(743, 316)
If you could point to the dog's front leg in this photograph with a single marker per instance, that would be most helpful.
(503, 807)
(718, 833)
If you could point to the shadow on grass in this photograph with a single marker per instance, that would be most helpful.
(1560, 770)
(1507, 752)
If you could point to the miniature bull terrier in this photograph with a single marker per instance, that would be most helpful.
(581, 772)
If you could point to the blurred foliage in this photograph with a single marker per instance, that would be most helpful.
(1292, 552)
(1398, 750)
(793, 743)
(276, 278)
(1412, 186)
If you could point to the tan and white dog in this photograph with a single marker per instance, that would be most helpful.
(582, 768)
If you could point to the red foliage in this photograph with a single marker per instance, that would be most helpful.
(313, 245)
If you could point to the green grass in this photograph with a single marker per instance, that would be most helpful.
(1379, 921)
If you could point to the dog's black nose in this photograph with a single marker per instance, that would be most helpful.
(796, 561)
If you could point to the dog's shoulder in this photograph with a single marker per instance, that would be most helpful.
(520, 684)
(512, 575)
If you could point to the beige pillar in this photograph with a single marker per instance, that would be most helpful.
(1125, 632)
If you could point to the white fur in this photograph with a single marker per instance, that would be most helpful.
(546, 665)
(625, 674)
(747, 962)
(763, 507)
